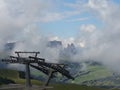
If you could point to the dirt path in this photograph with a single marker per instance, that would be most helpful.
(22, 87)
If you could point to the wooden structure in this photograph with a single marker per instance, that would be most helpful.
(39, 64)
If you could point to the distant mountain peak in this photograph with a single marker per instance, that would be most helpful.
(9, 46)
(54, 44)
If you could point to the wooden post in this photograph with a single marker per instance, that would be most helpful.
(28, 81)
(49, 78)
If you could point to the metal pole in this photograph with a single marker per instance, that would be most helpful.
(28, 82)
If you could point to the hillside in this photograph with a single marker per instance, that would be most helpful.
(8, 76)
(93, 74)
(12, 76)
(86, 73)
(5, 73)
(55, 87)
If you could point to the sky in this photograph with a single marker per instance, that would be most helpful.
(92, 25)
(55, 18)
(68, 19)
(69, 15)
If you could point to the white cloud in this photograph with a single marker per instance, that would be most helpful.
(67, 41)
(57, 16)
(102, 45)
(52, 38)
(88, 28)
(81, 44)
(77, 5)
(18, 18)
(17, 15)
(50, 17)
(77, 19)
(102, 8)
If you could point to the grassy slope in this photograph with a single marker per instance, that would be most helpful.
(63, 87)
(14, 76)
(11, 74)
(96, 72)
(75, 87)
(72, 87)
(96, 77)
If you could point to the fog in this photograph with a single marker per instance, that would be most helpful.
(19, 23)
